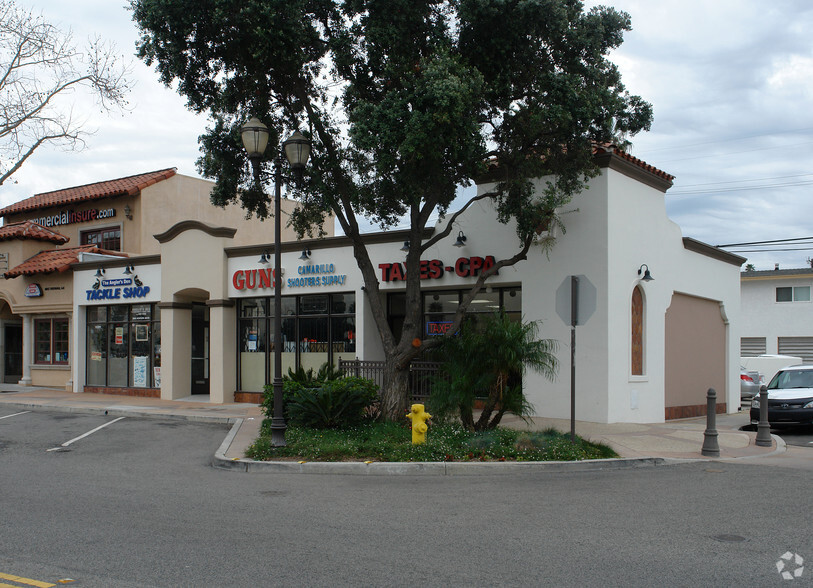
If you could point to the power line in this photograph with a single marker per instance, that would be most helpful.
(771, 242)
(688, 145)
(741, 188)
(750, 180)
(773, 250)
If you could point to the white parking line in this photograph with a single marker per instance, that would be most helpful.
(8, 416)
(66, 443)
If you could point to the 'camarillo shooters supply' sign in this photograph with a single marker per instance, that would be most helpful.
(68, 217)
(310, 276)
(316, 274)
(118, 289)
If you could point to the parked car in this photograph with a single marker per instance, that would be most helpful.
(790, 398)
(749, 383)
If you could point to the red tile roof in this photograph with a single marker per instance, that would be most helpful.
(129, 186)
(610, 148)
(29, 230)
(55, 260)
(598, 149)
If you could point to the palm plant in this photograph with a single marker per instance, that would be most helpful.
(486, 362)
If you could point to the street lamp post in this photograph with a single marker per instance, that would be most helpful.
(297, 149)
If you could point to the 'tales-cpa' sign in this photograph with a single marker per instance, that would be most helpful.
(433, 269)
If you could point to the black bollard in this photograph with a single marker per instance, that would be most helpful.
(710, 446)
(764, 427)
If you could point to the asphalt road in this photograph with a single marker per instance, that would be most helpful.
(798, 436)
(137, 503)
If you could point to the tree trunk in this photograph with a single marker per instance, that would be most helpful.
(497, 418)
(466, 418)
(494, 396)
(395, 392)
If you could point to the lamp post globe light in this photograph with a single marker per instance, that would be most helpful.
(297, 149)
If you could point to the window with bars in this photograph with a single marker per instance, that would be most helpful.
(51, 341)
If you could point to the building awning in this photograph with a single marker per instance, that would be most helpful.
(56, 260)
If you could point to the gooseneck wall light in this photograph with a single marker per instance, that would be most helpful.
(647, 277)
(461, 239)
(297, 150)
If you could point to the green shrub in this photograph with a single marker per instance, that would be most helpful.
(310, 380)
(335, 404)
(293, 383)
(289, 389)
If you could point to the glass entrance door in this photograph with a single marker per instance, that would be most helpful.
(200, 349)
(13, 353)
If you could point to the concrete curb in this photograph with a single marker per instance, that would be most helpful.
(145, 412)
(781, 447)
(450, 468)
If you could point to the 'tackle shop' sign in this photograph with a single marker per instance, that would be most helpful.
(118, 289)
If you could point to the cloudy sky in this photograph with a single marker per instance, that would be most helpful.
(731, 83)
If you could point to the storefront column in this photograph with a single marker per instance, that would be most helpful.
(71, 353)
(28, 349)
(2, 350)
(176, 350)
(222, 351)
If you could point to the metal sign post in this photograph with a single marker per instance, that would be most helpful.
(575, 304)
(574, 319)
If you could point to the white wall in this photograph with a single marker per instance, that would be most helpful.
(763, 316)
(613, 227)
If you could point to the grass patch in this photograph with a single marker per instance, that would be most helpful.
(393, 442)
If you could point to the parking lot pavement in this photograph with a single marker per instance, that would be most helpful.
(678, 439)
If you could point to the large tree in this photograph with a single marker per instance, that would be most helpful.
(405, 101)
(40, 70)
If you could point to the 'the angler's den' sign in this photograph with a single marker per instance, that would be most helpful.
(118, 289)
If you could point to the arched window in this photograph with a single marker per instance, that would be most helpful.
(637, 329)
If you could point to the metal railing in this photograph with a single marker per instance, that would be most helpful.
(421, 374)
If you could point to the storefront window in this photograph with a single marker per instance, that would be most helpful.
(316, 329)
(440, 307)
(139, 345)
(313, 304)
(97, 355)
(313, 342)
(51, 341)
(253, 341)
(118, 355)
(124, 346)
(344, 338)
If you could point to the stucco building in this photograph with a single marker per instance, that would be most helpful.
(776, 306)
(189, 309)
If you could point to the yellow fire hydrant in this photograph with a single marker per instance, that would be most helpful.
(419, 416)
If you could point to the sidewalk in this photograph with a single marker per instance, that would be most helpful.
(642, 443)
(193, 408)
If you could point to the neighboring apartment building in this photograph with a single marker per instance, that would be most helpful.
(777, 313)
(190, 309)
